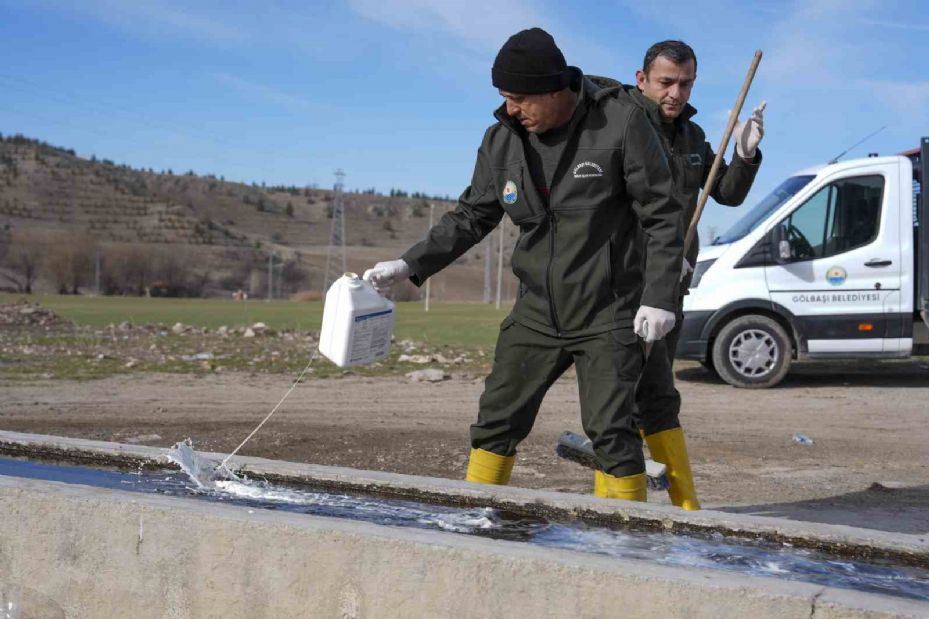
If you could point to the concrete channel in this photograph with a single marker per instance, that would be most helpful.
(75, 551)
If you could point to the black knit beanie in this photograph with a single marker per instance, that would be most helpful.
(530, 63)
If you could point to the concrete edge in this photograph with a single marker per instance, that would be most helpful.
(842, 540)
(769, 593)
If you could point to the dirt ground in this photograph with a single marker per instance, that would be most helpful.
(867, 466)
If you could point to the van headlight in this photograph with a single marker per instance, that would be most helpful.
(699, 270)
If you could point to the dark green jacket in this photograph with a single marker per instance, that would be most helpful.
(577, 257)
(691, 158)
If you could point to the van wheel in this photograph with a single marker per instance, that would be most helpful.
(752, 352)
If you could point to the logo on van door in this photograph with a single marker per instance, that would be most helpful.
(836, 276)
(509, 193)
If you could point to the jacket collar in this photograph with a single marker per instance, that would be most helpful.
(651, 108)
(599, 87)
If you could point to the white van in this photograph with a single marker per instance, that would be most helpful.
(832, 264)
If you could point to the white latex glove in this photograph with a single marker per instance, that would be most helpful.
(652, 323)
(748, 134)
(686, 268)
(385, 274)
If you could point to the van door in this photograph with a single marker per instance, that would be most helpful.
(921, 218)
(842, 280)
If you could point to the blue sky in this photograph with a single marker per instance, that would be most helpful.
(398, 93)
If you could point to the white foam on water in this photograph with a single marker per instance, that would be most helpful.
(208, 477)
(460, 522)
(773, 568)
(261, 491)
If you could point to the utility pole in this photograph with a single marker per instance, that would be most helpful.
(270, 274)
(500, 261)
(428, 287)
(97, 272)
(335, 265)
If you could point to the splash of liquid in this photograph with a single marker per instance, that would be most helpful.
(219, 482)
(203, 472)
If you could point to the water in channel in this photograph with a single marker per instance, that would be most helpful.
(200, 480)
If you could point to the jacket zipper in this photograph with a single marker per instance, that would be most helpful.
(551, 220)
(551, 260)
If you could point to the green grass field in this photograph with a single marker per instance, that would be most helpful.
(460, 325)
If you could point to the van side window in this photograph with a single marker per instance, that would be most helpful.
(840, 217)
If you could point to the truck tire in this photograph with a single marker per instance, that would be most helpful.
(752, 352)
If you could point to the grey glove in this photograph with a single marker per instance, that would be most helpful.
(748, 134)
(384, 275)
(652, 323)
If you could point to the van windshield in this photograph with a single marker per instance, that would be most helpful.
(760, 211)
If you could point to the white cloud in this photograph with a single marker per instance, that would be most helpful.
(908, 99)
(816, 42)
(829, 50)
(481, 24)
(265, 93)
(160, 19)
(479, 27)
(881, 23)
(683, 15)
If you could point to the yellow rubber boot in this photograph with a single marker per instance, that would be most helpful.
(486, 467)
(670, 448)
(599, 484)
(630, 487)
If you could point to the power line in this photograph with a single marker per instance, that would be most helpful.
(336, 249)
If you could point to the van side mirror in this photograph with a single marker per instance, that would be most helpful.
(780, 244)
(783, 250)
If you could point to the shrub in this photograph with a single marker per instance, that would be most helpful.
(306, 295)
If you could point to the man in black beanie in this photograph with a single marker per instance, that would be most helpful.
(535, 80)
(578, 171)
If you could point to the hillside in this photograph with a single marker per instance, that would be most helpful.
(221, 229)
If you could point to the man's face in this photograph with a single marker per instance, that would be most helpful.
(536, 113)
(668, 85)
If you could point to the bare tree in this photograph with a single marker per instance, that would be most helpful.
(24, 259)
(70, 261)
(127, 269)
(292, 275)
(5, 240)
(139, 267)
(111, 273)
(198, 281)
(180, 272)
(237, 266)
(170, 269)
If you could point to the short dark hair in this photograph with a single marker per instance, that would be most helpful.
(677, 52)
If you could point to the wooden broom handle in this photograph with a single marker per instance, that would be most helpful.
(714, 169)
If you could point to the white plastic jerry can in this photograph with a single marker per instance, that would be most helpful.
(357, 323)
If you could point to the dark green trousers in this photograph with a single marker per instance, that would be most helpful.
(527, 363)
(658, 403)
